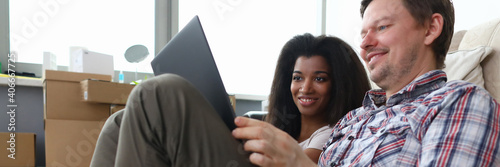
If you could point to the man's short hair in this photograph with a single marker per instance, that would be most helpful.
(422, 10)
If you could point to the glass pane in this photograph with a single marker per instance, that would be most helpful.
(108, 27)
(246, 36)
(344, 21)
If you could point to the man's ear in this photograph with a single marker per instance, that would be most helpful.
(434, 28)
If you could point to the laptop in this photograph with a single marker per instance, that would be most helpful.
(188, 55)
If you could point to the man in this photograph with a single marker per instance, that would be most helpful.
(417, 119)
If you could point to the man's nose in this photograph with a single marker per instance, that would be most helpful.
(368, 41)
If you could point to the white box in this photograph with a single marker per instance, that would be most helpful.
(49, 61)
(92, 62)
(72, 49)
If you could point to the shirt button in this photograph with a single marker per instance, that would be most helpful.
(333, 164)
(350, 138)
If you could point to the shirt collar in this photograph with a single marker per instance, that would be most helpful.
(425, 83)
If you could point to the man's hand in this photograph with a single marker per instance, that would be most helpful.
(270, 145)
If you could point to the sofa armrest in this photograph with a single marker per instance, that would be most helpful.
(259, 115)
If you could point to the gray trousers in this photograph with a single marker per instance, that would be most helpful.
(167, 122)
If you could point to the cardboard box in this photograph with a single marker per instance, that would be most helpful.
(115, 107)
(70, 142)
(20, 146)
(72, 50)
(232, 99)
(92, 62)
(49, 61)
(105, 91)
(72, 76)
(63, 99)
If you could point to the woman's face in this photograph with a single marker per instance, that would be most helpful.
(311, 84)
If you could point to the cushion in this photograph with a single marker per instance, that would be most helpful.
(455, 41)
(465, 65)
(486, 34)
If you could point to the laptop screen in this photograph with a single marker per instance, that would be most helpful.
(188, 55)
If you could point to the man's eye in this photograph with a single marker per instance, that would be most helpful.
(382, 28)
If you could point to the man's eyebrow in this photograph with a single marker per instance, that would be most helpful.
(376, 22)
(385, 18)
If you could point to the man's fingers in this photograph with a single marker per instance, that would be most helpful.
(266, 161)
(262, 160)
(245, 122)
(248, 133)
(252, 129)
(270, 145)
(260, 146)
(258, 159)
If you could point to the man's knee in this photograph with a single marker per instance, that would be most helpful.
(165, 80)
(165, 83)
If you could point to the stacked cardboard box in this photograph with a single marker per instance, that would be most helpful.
(232, 99)
(98, 91)
(70, 142)
(115, 108)
(71, 124)
(17, 149)
(63, 97)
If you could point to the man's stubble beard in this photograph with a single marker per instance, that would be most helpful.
(390, 73)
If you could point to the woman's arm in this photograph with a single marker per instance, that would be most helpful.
(314, 145)
(313, 154)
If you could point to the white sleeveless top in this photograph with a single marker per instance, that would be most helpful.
(317, 139)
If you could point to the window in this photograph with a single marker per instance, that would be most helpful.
(246, 36)
(107, 27)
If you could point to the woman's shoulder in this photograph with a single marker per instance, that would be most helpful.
(323, 130)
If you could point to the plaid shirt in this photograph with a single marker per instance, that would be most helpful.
(427, 123)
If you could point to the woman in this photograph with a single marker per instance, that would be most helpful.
(317, 81)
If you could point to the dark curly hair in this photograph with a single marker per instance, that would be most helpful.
(349, 80)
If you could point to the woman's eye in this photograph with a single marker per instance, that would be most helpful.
(296, 78)
(320, 79)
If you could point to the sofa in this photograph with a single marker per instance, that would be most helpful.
(473, 56)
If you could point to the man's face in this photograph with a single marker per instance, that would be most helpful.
(393, 45)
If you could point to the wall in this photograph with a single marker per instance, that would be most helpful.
(4, 33)
(28, 117)
(243, 106)
(470, 13)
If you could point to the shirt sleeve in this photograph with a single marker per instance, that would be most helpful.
(465, 131)
(320, 137)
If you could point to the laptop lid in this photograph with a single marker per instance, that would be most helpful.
(188, 55)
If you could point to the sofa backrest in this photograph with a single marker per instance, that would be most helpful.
(455, 41)
(486, 34)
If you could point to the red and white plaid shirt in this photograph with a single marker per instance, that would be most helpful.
(427, 123)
